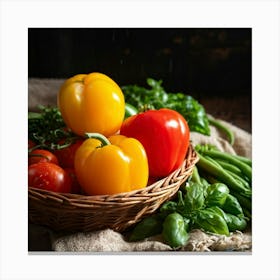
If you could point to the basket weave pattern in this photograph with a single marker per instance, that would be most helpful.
(73, 212)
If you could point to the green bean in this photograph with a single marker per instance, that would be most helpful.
(229, 167)
(222, 175)
(240, 179)
(213, 161)
(226, 130)
(246, 169)
(195, 176)
(243, 159)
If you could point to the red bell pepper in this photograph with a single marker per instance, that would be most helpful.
(165, 136)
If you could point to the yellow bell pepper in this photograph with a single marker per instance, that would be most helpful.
(109, 166)
(91, 103)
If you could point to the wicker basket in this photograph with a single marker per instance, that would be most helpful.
(72, 212)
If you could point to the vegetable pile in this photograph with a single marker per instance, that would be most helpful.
(217, 201)
(103, 139)
(89, 134)
(233, 170)
(46, 128)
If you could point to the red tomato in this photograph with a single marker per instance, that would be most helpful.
(165, 136)
(40, 155)
(66, 155)
(75, 186)
(48, 176)
(31, 144)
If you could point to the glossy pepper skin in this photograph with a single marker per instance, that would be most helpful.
(116, 166)
(165, 136)
(174, 230)
(91, 103)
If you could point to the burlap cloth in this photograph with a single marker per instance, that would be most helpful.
(44, 92)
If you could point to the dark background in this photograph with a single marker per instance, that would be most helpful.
(213, 65)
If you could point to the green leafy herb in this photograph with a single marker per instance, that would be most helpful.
(235, 222)
(149, 226)
(156, 97)
(232, 206)
(194, 198)
(46, 128)
(217, 194)
(168, 207)
(211, 220)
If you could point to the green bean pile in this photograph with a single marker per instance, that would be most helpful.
(232, 170)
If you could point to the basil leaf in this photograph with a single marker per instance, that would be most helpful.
(235, 223)
(156, 97)
(216, 194)
(167, 208)
(193, 200)
(210, 220)
(232, 206)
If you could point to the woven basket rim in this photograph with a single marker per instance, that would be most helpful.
(187, 164)
(72, 212)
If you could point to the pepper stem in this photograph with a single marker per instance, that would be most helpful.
(146, 107)
(99, 137)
